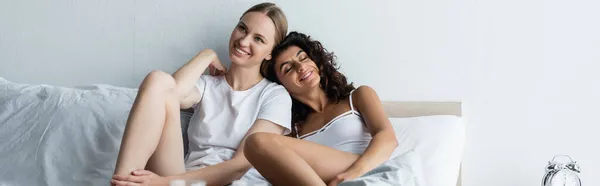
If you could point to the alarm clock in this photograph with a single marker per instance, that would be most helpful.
(562, 173)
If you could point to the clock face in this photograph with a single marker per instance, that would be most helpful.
(565, 178)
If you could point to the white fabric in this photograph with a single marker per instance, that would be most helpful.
(402, 170)
(439, 141)
(346, 132)
(224, 116)
(60, 136)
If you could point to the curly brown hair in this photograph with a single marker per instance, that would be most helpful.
(333, 83)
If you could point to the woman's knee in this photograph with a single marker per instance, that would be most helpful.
(157, 79)
(259, 143)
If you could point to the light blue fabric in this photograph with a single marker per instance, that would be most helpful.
(403, 170)
(60, 136)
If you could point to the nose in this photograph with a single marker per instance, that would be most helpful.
(245, 41)
(301, 67)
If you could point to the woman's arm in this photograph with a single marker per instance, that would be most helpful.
(228, 171)
(186, 76)
(384, 142)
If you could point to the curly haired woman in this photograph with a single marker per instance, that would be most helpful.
(341, 132)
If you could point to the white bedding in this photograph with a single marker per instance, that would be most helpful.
(60, 136)
(63, 136)
(439, 141)
(402, 170)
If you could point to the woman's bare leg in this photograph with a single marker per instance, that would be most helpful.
(152, 138)
(288, 161)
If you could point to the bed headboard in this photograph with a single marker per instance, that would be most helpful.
(400, 109)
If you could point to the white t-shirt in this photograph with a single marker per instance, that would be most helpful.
(223, 117)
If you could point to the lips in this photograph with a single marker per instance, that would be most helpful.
(240, 52)
(306, 75)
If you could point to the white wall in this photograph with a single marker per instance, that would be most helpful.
(70, 43)
(524, 69)
(534, 90)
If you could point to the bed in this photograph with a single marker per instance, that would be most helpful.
(436, 128)
(53, 135)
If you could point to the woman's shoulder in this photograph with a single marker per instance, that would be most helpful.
(364, 95)
(211, 79)
(274, 87)
(363, 91)
(274, 91)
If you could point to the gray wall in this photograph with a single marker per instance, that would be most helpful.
(67, 42)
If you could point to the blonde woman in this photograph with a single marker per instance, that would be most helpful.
(229, 106)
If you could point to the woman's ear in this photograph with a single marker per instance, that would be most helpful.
(268, 57)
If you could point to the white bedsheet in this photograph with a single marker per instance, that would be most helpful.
(60, 136)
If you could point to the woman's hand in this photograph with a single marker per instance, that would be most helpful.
(349, 174)
(139, 177)
(217, 69)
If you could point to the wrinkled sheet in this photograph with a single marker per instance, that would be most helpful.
(403, 170)
(60, 136)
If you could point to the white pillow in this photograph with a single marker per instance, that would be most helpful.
(439, 141)
(53, 135)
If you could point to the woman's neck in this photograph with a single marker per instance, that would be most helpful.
(240, 78)
(316, 99)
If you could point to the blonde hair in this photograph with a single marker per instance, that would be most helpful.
(276, 15)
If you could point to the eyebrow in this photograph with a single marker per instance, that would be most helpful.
(282, 64)
(263, 37)
(259, 35)
(287, 62)
(300, 51)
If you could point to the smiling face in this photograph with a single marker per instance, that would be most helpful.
(252, 39)
(296, 71)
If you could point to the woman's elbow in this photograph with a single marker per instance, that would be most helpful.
(394, 143)
(257, 144)
(260, 146)
(389, 138)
